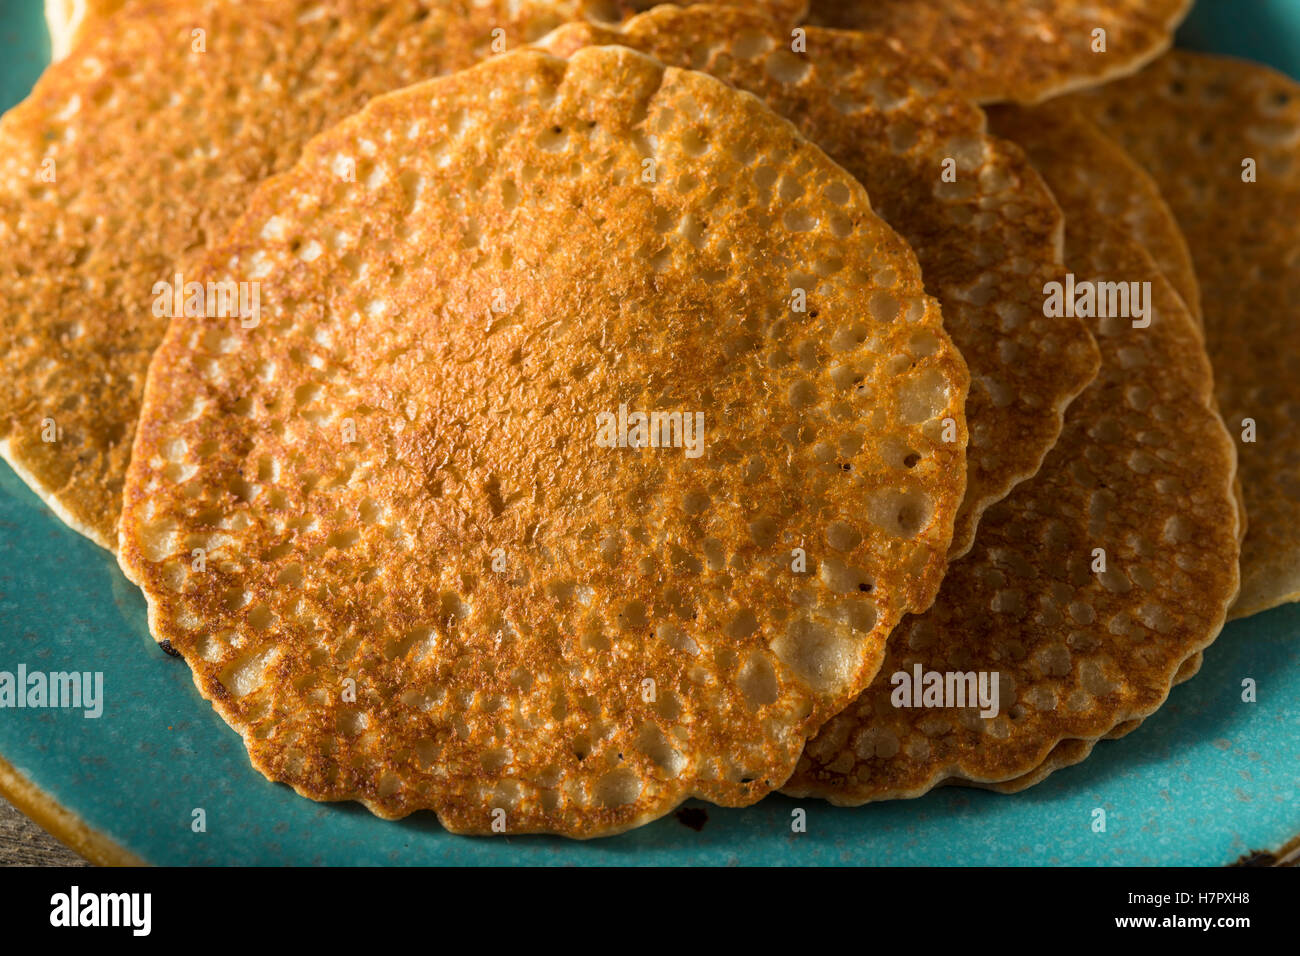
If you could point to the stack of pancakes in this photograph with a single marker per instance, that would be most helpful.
(544, 412)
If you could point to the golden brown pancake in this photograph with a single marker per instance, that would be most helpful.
(397, 475)
(1070, 752)
(151, 136)
(987, 240)
(50, 269)
(69, 20)
(1137, 202)
(1147, 216)
(1021, 50)
(1091, 585)
(1197, 122)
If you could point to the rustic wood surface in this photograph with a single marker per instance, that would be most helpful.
(23, 843)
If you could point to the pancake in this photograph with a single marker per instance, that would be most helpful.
(1143, 471)
(1141, 207)
(68, 20)
(49, 269)
(1192, 120)
(1136, 199)
(154, 148)
(1021, 50)
(1068, 753)
(1207, 106)
(986, 242)
(406, 473)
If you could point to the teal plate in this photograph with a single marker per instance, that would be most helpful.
(1207, 780)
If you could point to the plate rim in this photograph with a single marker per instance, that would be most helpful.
(60, 822)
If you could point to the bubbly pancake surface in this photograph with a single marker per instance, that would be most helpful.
(986, 231)
(70, 20)
(1195, 121)
(149, 138)
(1072, 751)
(1091, 585)
(396, 483)
(1021, 50)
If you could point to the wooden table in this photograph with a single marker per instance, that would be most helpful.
(23, 843)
